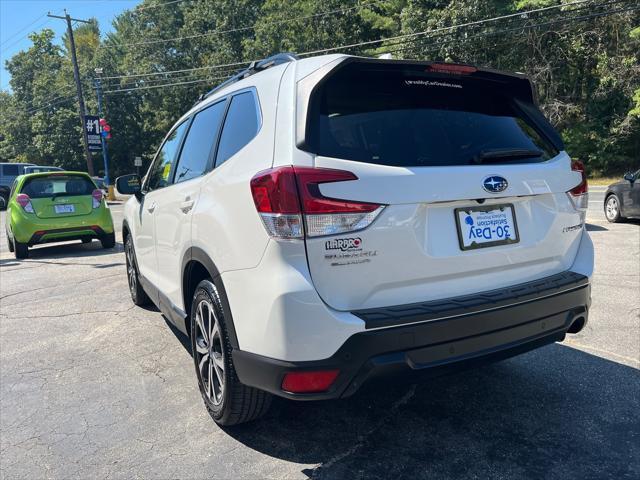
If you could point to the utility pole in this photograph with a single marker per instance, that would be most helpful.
(76, 75)
(105, 154)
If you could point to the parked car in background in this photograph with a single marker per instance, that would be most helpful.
(622, 199)
(99, 181)
(4, 197)
(8, 173)
(42, 169)
(313, 223)
(55, 207)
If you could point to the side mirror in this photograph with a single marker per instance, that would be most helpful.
(629, 176)
(129, 185)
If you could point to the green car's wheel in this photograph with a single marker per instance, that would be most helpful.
(10, 243)
(21, 249)
(109, 240)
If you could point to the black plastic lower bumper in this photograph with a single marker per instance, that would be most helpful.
(72, 233)
(509, 322)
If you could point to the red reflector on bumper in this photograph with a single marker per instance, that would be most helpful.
(309, 382)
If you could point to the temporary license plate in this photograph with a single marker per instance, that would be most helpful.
(64, 208)
(487, 226)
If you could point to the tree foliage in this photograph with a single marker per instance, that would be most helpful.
(583, 60)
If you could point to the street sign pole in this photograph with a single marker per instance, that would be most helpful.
(137, 162)
(105, 154)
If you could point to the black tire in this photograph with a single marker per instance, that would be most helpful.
(10, 243)
(108, 240)
(612, 208)
(233, 403)
(138, 295)
(3, 202)
(86, 240)
(21, 250)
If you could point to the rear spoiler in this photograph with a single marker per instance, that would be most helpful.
(520, 86)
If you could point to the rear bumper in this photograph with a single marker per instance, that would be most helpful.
(63, 234)
(436, 337)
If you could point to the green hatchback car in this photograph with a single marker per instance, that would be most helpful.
(55, 207)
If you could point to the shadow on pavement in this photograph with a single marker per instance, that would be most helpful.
(595, 228)
(48, 253)
(552, 413)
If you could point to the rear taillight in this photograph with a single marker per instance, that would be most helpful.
(579, 195)
(287, 196)
(309, 382)
(25, 202)
(97, 197)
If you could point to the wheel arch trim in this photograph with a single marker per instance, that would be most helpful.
(197, 255)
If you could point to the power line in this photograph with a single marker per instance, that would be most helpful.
(478, 22)
(151, 7)
(137, 75)
(518, 28)
(442, 29)
(435, 45)
(251, 27)
(438, 44)
(402, 40)
(22, 29)
(52, 103)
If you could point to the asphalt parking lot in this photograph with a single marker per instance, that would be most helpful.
(91, 387)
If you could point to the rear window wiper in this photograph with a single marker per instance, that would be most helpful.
(504, 154)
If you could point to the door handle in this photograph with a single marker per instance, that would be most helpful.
(151, 207)
(186, 206)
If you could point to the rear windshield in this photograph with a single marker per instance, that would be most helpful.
(59, 185)
(406, 117)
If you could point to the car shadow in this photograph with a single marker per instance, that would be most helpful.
(555, 412)
(48, 253)
(595, 228)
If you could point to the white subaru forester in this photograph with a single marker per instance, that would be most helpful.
(313, 223)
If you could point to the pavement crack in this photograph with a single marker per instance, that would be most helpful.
(362, 439)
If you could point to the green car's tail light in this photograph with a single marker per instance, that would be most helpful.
(25, 202)
(97, 197)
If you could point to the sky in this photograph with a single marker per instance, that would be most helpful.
(18, 18)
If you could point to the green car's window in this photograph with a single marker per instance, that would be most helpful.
(160, 172)
(60, 186)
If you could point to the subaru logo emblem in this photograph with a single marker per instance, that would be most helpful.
(495, 184)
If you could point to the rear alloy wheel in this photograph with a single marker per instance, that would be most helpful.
(138, 295)
(612, 208)
(108, 240)
(21, 250)
(228, 401)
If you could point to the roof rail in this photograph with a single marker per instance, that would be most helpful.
(253, 68)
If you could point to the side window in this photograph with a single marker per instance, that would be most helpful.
(159, 175)
(240, 126)
(200, 140)
(10, 170)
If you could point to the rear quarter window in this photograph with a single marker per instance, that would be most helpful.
(404, 117)
(241, 125)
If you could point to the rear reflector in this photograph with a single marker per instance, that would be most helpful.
(579, 195)
(309, 382)
(25, 202)
(285, 195)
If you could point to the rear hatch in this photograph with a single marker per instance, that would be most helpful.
(60, 195)
(472, 179)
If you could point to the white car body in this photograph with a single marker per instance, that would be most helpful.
(290, 300)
